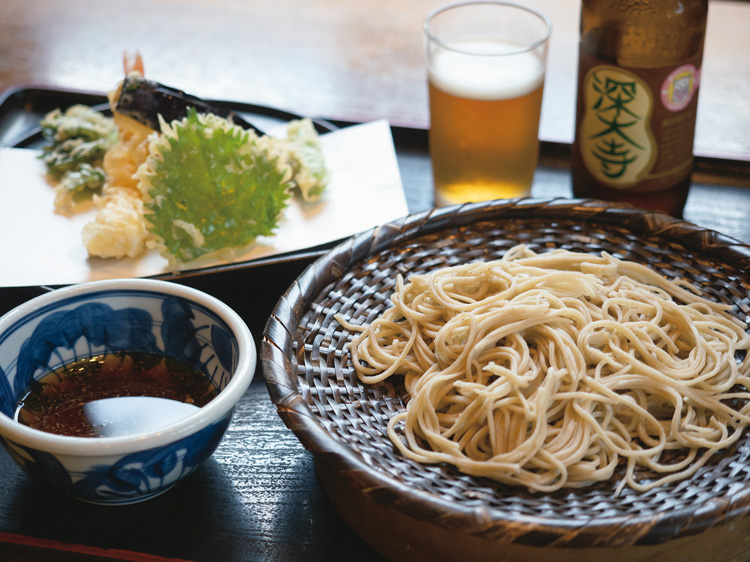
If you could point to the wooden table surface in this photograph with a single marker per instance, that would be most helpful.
(259, 498)
(354, 60)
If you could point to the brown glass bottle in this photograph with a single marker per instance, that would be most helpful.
(638, 76)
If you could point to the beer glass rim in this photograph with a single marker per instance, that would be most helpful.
(529, 47)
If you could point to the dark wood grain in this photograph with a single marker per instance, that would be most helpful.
(258, 498)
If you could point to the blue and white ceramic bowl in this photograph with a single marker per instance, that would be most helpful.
(122, 315)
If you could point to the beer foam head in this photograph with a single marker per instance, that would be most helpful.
(485, 70)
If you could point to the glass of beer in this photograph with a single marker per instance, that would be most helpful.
(485, 66)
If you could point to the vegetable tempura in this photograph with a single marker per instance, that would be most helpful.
(197, 185)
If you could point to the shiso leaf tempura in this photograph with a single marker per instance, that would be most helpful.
(209, 185)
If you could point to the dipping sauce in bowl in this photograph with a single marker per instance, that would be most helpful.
(146, 375)
(114, 394)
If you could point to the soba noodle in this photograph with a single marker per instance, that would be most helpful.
(549, 370)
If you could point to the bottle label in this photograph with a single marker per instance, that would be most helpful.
(638, 124)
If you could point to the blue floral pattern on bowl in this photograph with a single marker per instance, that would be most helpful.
(109, 321)
(140, 475)
(184, 332)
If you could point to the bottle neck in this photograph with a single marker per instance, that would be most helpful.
(643, 34)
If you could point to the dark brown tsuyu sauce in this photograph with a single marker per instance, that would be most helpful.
(114, 394)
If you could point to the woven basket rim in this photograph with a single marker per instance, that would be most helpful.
(486, 521)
